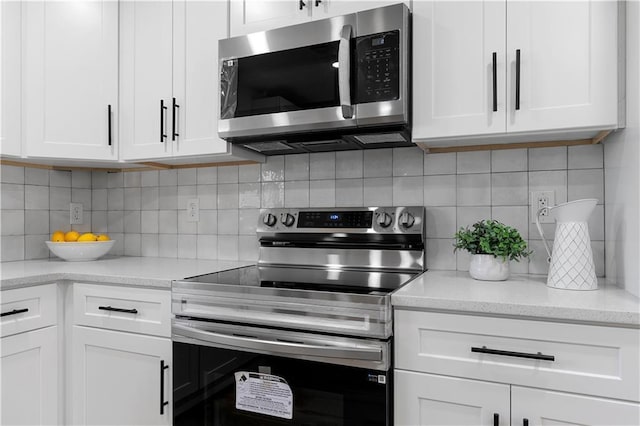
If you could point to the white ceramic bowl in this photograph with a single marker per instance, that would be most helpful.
(77, 252)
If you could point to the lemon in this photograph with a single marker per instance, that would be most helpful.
(103, 237)
(71, 236)
(87, 237)
(57, 237)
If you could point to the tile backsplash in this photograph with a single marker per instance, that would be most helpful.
(146, 211)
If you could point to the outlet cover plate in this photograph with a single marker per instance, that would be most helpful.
(75, 214)
(541, 199)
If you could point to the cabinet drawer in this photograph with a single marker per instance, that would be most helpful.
(28, 308)
(130, 309)
(600, 360)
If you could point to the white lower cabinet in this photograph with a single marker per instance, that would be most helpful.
(29, 370)
(118, 378)
(454, 369)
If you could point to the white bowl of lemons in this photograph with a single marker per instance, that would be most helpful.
(75, 247)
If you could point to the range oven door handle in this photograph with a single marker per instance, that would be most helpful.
(281, 347)
(344, 71)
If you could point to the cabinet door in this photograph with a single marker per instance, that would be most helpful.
(145, 78)
(248, 16)
(322, 9)
(29, 368)
(197, 28)
(542, 407)
(117, 378)
(453, 47)
(10, 79)
(425, 399)
(568, 64)
(70, 78)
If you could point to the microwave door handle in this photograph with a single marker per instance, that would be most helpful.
(344, 71)
(280, 347)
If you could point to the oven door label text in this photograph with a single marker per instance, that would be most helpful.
(264, 394)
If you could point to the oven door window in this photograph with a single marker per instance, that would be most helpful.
(323, 394)
(288, 80)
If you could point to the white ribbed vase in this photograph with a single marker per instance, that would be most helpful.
(486, 267)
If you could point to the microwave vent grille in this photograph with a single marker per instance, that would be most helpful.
(269, 146)
(376, 138)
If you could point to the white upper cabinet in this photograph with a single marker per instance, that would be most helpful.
(249, 16)
(10, 79)
(70, 78)
(566, 77)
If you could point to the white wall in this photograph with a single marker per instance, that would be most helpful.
(622, 175)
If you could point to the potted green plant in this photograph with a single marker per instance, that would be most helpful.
(492, 245)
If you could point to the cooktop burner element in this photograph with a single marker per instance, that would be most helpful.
(323, 270)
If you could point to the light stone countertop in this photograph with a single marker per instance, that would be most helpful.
(134, 271)
(520, 296)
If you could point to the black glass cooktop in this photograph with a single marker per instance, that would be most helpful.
(331, 280)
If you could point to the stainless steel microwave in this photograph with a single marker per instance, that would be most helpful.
(334, 84)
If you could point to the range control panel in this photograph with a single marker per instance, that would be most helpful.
(378, 67)
(335, 219)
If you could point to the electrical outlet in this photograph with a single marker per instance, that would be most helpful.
(542, 200)
(193, 210)
(75, 213)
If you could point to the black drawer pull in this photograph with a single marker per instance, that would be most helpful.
(517, 79)
(525, 422)
(14, 312)
(494, 67)
(485, 350)
(496, 419)
(109, 308)
(162, 401)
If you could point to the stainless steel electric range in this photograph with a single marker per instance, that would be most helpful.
(304, 337)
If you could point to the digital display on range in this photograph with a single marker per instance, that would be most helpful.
(335, 219)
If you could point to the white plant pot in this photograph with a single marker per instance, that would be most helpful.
(486, 267)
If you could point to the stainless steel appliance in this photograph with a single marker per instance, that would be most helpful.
(333, 84)
(309, 327)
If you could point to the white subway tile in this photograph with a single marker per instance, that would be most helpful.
(249, 173)
(378, 163)
(440, 222)
(440, 254)
(273, 169)
(60, 220)
(149, 221)
(207, 175)
(408, 191)
(440, 164)
(322, 193)
(59, 198)
(473, 190)
(167, 245)
(35, 198)
(12, 222)
(12, 248)
(248, 221)
(61, 178)
(272, 194)
(35, 247)
(249, 196)
(248, 248)
(538, 260)
(463, 258)
(149, 198)
(548, 158)
(168, 177)
(228, 174)
(99, 180)
(207, 196)
(473, 162)
(228, 222)
(587, 183)
(12, 174)
(586, 157)
(296, 167)
(509, 160)
(118, 246)
(115, 180)
(82, 227)
(168, 197)
(187, 246)
(149, 178)
(514, 216)
(322, 166)
(132, 199)
(37, 221)
(228, 197)
(349, 192)
(132, 244)
(207, 246)
(187, 177)
(597, 248)
(82, 196)
(132, 221)
(228, 246)
(36, 176)
(440, 190)
(115, 221)
(349, 164)
(81, 179)
(167, 221)
(184, 226)
(98, 222)
(467, 216)
(509, 189)
(149, 245)
(408, 161)
(115, 199)
(378, 191)
(208, 223)
(550, 181)
(296, 193)
(186, 193)
(596, 224)
(132, 180)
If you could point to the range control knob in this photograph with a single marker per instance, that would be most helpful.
(287, 219)
(269, 219)
(407, 220)
(384, 220)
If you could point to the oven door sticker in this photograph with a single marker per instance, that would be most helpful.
(264, 394)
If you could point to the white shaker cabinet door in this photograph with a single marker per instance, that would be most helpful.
(10, 78)
(329, 8)
(117, 378)
(70, 77)
(454, 44)
(197, 28)
(249, 16)
(146, 79)
(568, 65)
(540, 407)
(29, 368)
(425, 399)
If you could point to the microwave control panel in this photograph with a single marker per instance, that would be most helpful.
(378, 67)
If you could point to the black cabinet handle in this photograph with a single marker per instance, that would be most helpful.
(485, 350)
(318, 2)
(162, 401)
(495, 81)
(109, 124)
(517, 79)
(525, 422)
(496, 419)
(173, 120)
(162, 109)
(302, 4)
(14, 312)
(109, 308)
